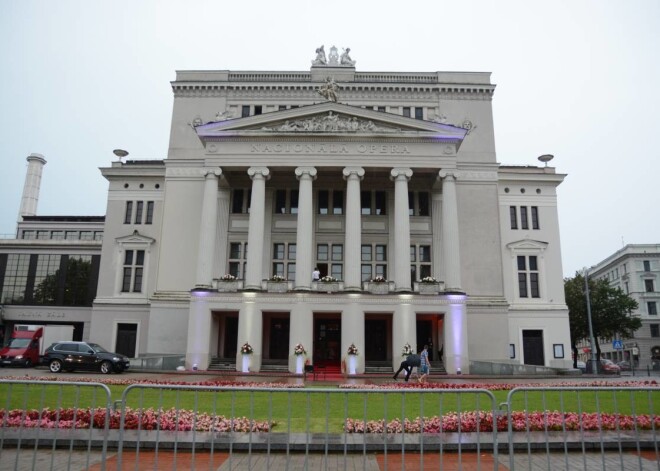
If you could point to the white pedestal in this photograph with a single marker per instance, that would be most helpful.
(300, 361)
(352, 364)
(246, 364)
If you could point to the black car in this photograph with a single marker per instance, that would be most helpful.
(69, 356)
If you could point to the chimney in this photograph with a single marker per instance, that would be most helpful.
(30, 197)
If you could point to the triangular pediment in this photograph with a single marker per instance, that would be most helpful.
(330, 119)
(527, 244)
(135, 238)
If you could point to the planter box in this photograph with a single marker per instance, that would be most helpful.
(277, 286)
(227, 286)
(429, 288)
(378, 288)
(327, 286)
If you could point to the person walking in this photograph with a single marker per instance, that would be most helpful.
(424, 365)
(408, 364)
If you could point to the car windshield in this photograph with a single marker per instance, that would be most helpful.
(19, 343)
(97, 348)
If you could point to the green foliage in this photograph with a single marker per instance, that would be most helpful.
(73, 290)
(611, 310)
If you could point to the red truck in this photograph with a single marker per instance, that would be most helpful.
(28, 343)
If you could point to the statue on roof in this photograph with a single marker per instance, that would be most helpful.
(320, 57)
(329, 90)
(333, 57)
(346, 60)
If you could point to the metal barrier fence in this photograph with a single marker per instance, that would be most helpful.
(204, 427)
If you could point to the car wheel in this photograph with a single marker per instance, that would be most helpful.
(55, 366)
(106, 367)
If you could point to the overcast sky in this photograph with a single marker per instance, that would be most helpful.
(577, 79)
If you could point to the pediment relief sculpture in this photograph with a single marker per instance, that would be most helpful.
(329, 123)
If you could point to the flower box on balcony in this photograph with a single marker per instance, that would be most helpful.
(277, 286)
(326, 286)
(226, 286)
(428, 288)
(377, 287)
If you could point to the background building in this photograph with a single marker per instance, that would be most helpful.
(635, 269)
(365, 175)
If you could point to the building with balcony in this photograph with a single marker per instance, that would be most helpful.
(386, 184)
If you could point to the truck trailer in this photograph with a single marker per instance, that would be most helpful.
(28, 343)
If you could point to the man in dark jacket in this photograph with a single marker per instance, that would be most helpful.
(408, 364)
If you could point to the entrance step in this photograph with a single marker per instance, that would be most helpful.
(222, 364)
(280, 366)
(381, 367)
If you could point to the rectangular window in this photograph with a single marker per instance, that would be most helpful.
(43, 235)
(381, 253)
(381, 203)
(294, 201)
(365, 202)
(291, 254)
(419, 113)
(381, 109)
(424, 253)
(291, 271)
(513, 214)
(522, 284)
(652, 308)
(138, 212)
(150, 213)
(278, 269)
(237, 202)
(411, 203)
(281, 107)
(129, 212)
(406, 111)
(337, 252)
(337, 271)
(237, 254)
(133, 271)
(523, 218)
(86, 235)
(323, 201)
(322, 252)
(647, 265)
(655, 330)
(71, 235)
(424, 203)
(16, 274)
(366, 253)
(278, 251)
(535, 217)
(648, 286)
(29, 235)
(337, 202)
(528, 276)
(366, 271)
(257, 109)
(235, 250)
(280, 201)
(284, 256)
(57, 235)
(413, 253)
(245, 111)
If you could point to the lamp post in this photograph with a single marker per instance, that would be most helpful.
(593, 360)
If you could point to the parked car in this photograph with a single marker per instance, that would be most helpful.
(624, 365)
(69, 356)
(609, 367)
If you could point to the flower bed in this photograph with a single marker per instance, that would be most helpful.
(128, 382)
(504, 386)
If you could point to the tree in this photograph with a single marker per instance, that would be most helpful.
(75, 291)
(611, 311)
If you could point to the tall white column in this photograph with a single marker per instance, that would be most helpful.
(253, 275)
(352, 332)
(450, 233)
(32, 185)
(401, 228)
(404, 331)
(455, 343)
(437, 267)
(198, 345)
(207, 230)
(353, 227)
(305, 228)
(220, 266)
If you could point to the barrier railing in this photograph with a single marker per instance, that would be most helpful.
(67, 425)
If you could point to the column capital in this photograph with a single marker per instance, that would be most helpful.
(263, 172)
(451, 173)
(349, 171)
(213, 172)
(302, 171)
(401, 172)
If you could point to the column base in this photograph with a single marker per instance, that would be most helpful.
(202, 289)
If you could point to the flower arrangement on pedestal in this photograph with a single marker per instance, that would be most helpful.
(428, 279)
(328, 279)
(352, 349)
(299, 350)
(407, 350)
(228, 277)
(247, 349)
(378, 279)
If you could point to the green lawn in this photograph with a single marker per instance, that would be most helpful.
(308, 408)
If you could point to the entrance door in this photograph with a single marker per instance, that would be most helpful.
(375, 338)
(126, 339)
(279, 339)
(425, 336)
(533, 347)
(231, 336)
(327, 341)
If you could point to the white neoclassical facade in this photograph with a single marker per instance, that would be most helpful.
(361, 175)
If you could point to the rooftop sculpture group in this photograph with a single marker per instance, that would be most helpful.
(333, 59)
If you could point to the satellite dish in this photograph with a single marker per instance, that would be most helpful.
(120, 153)
(545, 158)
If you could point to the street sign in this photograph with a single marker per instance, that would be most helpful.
(617, 345)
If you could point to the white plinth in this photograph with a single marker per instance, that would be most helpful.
(300, 361)
(352, 364)
(246, 364)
